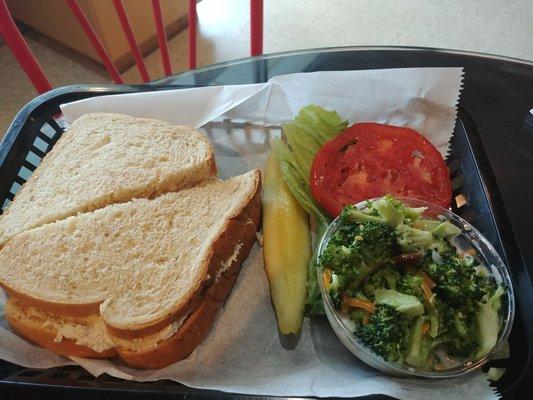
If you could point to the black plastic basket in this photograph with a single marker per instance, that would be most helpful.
(39, 125)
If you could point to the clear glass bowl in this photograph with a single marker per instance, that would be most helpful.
(467, 239)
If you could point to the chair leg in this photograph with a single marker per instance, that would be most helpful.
(21, 51)
(192, 34)
(132, 41)
(161, 36)
(95, 41)
(256, 27)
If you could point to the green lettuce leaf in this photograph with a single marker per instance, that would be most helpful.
(310, 130)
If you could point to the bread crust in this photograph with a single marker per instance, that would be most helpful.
(45, 338)
(69, 310)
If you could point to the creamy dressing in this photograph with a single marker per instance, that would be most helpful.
(87, 331)
(93, 336)
(91, 332)
(224, 265)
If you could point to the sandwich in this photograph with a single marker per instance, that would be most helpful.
(142, 278)
(145, 278)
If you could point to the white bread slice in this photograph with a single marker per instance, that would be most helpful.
(140, 264)
(87, 336)
(104, 159)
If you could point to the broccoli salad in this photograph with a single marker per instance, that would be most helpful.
(406, 291)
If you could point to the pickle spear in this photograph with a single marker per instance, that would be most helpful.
(286, 249)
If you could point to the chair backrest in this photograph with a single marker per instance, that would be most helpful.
(24, 56)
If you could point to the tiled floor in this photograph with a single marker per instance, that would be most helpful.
(493, 26)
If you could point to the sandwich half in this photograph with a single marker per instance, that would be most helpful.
(144, 279)
(103, 159)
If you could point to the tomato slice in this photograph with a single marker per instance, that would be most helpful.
(370, 160)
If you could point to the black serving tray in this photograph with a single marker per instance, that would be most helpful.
(39, 125)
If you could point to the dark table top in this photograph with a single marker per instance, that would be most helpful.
(497, 96)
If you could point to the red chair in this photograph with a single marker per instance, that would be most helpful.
(33, 70)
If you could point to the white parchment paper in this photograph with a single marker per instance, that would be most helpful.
(243, 352)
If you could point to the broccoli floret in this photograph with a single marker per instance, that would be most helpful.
(393, 211)
(387, 333)
(388, 210)
(461, 347)
(383, 278)
(441, 246)
(413, 239)
(460, 291)
(459, 328)
(457, 282)
(412, 285)
(351, 214)
(424, 235)
(356, 250)
(412, 213)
